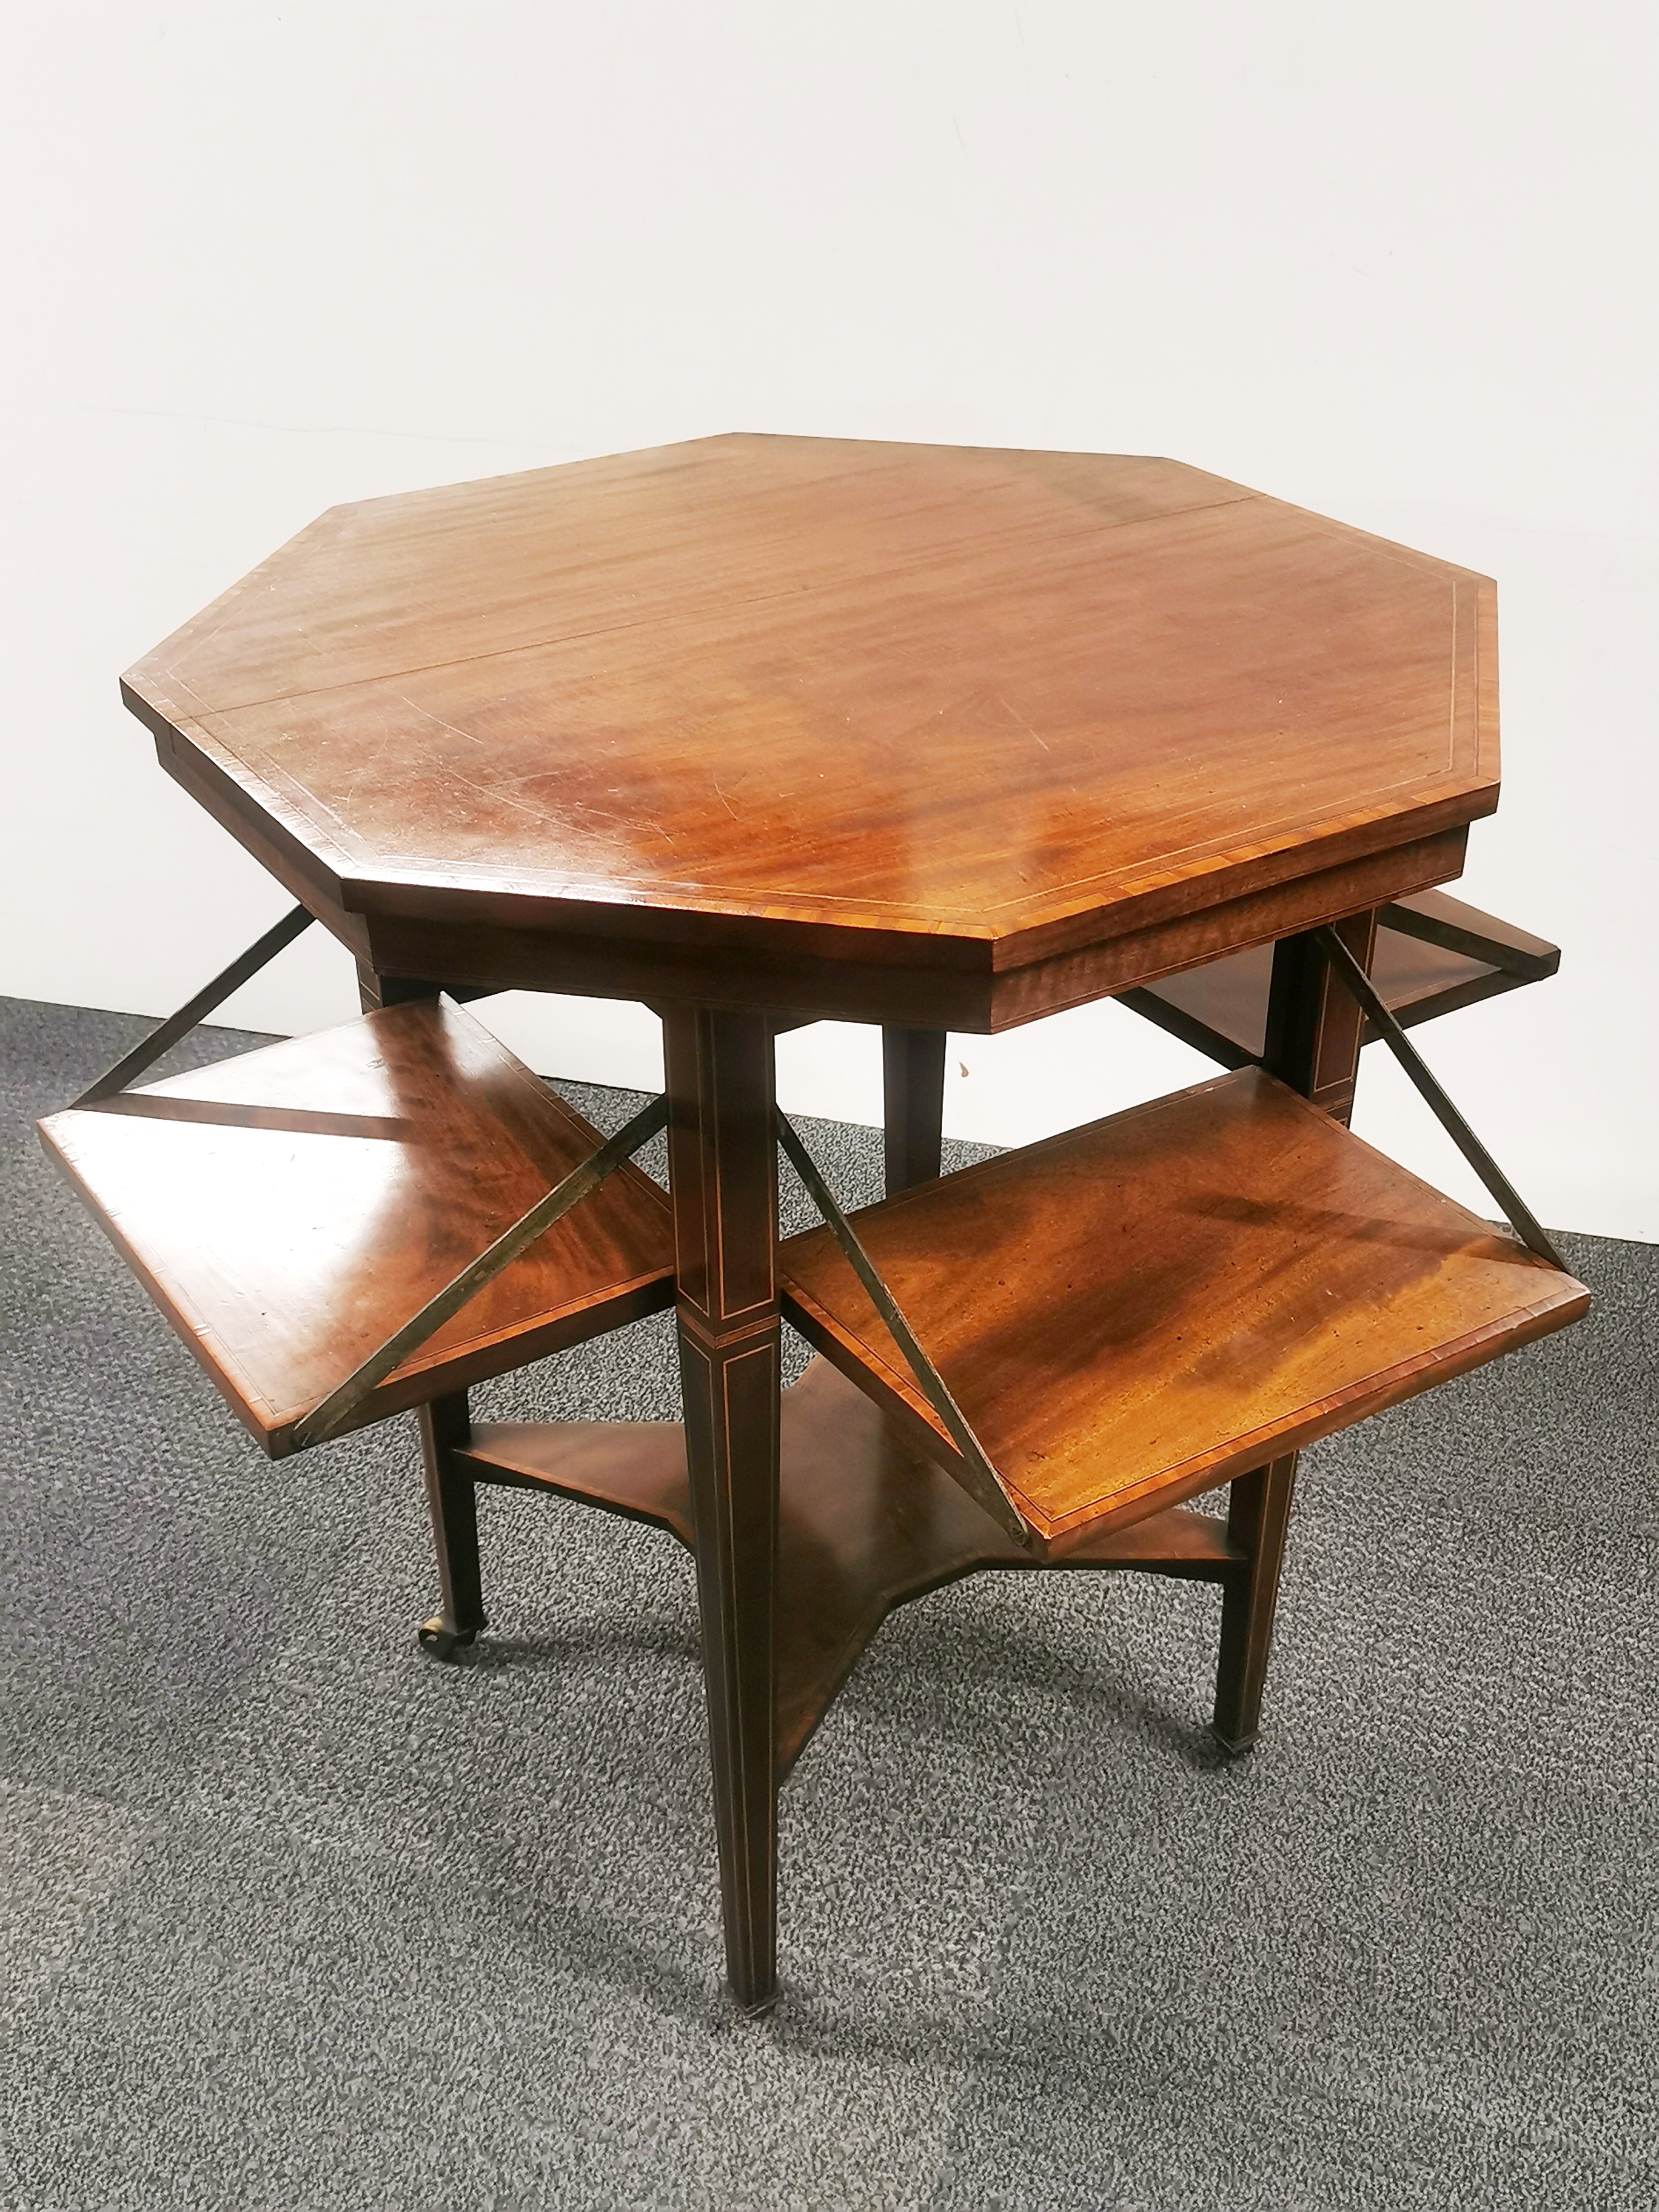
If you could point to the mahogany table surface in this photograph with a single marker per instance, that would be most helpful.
(945, 735)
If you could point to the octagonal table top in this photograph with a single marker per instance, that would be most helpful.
(1036, 722)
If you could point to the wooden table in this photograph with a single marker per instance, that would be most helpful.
(762, 731)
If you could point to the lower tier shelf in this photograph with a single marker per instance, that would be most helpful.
(1434, 954)
(1144, 1308)
(865, 1521)
(291, 1208)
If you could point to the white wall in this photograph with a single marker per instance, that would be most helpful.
(1393, 263)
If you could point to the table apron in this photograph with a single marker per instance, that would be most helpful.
(490, 957)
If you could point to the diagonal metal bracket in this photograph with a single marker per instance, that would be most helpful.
(1519, 1214)
(984, 1483)
(167, 1034)
(328, 1418)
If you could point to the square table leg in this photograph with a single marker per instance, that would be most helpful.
(1315, 1025)
(451, 1505)
(1315, 1031)
(446, 1426)
(1258, 1518)
(723, 1172)
(913, 1098)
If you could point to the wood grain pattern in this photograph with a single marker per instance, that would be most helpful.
(866, 1523)
(1314, 1024)
(1433, 918)
(340, 1181)
(1142, 1309)
(1311, 1037)
(755, 730)
(1434, 954)
(795, 971)
(1000, 707)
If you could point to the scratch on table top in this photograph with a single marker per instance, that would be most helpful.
(499, 797)
(494, 796)
(471, 736)
(1021, 720)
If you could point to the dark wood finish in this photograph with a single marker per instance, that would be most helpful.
(758, 730)
(1447, 922)
(870, 1522)
(1312, 1033)
(1258, 1518)
(1419, 982)
(264, 835)
(1140, 1309)
(962, 713)
(723, 1172)
(376, 991)
(1314, 1024)
(778, 969)
(446, 1427)
(1433, 955)
(446, 1431)
(635, 1469)
(866, 1522)
(1429, 1088)
(340, 1180)
(912, 1102)
(1220, 1010)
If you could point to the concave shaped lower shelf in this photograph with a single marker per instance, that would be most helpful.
(1142, 1309)
(290, 1209)
(866, 1523)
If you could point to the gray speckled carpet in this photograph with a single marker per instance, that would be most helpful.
(293, 1916)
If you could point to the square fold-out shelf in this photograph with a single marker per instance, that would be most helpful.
(290, 1209)
(1142, 1309)
(1433, 955)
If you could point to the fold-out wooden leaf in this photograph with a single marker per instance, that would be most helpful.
(290, 1209)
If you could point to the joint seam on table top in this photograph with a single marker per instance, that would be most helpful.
(873, 579)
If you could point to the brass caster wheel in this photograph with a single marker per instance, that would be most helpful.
(442, 1642)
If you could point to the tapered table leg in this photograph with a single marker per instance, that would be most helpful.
(723, 1168)
(1258, 1515)
(1315, 1031)
(451, 1505)
(912, 1102)
(446, 1427)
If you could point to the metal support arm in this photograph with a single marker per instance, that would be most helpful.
(1519, 1214)
(328, 1418)
(983, 1480)
(167, 1034)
